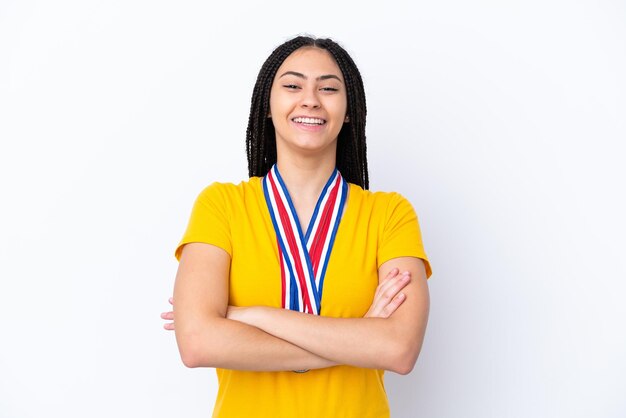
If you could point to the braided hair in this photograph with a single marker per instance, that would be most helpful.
(261, 137)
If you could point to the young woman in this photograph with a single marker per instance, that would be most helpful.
(299, 285)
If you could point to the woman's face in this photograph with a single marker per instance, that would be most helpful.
(308, 102)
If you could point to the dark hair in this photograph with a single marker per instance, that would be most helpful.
(261, 137)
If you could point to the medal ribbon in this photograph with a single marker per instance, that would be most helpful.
(304, 256)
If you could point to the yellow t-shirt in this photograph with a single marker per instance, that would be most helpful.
(375, 228)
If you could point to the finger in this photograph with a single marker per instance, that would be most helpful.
(393, 305)
(383, 288)
(394, 272)
(385, 291)
(169, 326)
(389, 292)
(171, 300)
(386, 281)
(168, 315)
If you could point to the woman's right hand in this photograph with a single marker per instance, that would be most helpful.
(388, 296)
(387, 299)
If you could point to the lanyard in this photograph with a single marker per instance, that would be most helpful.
(304, 256)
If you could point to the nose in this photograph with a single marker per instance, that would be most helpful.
(310, 99)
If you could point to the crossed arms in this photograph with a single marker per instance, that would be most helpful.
(209, 333)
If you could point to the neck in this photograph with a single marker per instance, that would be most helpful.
(305, 178)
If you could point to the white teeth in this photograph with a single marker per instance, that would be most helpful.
(310, 121)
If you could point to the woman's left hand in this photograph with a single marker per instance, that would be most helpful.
(234, 312)
(169, 316)
(387, 299)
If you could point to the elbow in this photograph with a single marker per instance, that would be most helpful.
(190, 363)
(403, 367)
(189, 359)
(190, 351)
(404, 358)
(199, 347)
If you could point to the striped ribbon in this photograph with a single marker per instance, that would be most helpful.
(304, 256)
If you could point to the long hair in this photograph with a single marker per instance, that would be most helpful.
(261, 137)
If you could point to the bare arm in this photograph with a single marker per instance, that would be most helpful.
(391, 344)
(206, 338)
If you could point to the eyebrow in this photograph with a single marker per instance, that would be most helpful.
(320, 78)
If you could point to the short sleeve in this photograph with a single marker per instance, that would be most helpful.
(401, 235)
(209, 221)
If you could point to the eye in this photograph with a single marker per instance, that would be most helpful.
(329, 89)
(291, 86)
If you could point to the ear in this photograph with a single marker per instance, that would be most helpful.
(269, 115)
(347, 119)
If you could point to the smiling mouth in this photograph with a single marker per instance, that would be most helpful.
(309, 121)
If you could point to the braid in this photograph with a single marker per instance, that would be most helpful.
(351, 146)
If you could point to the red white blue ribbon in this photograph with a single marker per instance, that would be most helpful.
(304, 256)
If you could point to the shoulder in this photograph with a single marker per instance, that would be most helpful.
(230, 192)
(217, 207)
(381, 203)
(396, 222)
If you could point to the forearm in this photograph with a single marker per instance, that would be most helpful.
(391, 343)
(206, 338)
(229, 344)
(362, 342)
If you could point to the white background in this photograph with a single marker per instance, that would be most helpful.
(502, 122)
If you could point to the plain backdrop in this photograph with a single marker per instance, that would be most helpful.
(502, 122)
